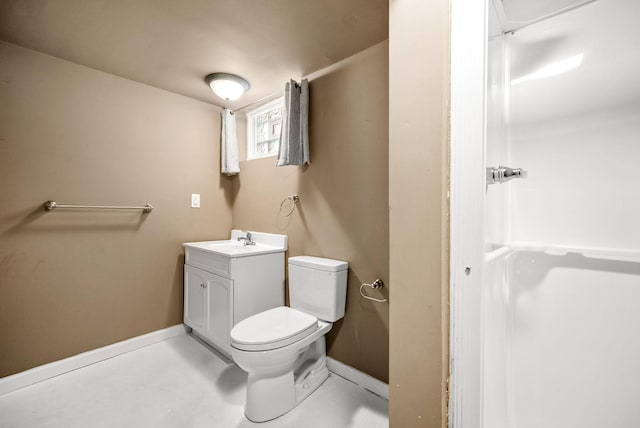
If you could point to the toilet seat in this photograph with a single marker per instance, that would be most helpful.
(272, 329)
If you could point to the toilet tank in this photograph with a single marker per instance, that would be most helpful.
(318, 286)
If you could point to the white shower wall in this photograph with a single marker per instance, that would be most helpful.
(578, 132)
(562, 274)
(574, 347)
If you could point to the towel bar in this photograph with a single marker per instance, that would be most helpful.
(51, 205)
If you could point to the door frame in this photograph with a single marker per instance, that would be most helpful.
(469, 29)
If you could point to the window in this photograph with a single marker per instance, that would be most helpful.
(264, 125)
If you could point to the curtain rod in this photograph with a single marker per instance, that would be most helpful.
(281, 92)
(274, 95)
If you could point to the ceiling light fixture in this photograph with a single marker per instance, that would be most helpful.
(226, 85)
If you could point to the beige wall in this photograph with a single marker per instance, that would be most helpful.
(74, 281)
(374, 195)
(343, 210)
(418, 227)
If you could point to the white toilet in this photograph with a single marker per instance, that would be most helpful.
(283, 349)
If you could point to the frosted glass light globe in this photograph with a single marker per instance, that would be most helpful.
(227, 86)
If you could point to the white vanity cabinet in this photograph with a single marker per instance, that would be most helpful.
(226, 282)
(208, 306)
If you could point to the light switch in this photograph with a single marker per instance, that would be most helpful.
(195, 200)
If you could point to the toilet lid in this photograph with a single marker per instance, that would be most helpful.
(272, 329)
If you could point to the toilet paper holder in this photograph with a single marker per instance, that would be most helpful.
(378, 283)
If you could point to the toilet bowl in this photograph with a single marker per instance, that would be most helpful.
(282, 372)
(283, 349)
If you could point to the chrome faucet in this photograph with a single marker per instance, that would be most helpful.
(248, 240)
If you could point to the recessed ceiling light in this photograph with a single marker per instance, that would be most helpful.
(226, 85)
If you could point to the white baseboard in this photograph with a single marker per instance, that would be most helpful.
(56, 368)
(369, 383)
(47, 371)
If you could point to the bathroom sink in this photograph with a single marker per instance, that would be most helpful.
(264, 243)
(229, 247)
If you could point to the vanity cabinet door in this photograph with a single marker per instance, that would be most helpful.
(195, 282)
(218, 323)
